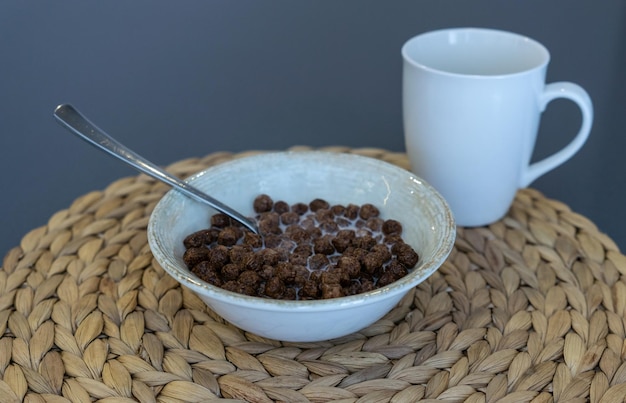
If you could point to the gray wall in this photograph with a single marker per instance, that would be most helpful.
(179, 79)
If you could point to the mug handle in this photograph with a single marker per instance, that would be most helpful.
(575, 93)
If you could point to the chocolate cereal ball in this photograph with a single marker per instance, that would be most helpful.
(351, 212)
(281, 207)
(193, 256)
(219, 256)
(318, 204)
(262, 204)
(220, 220)
(368, 211)
(300, 208)
(228, 237)
(392, 227)
(289, 218)
(205, 271)
(274, 288)
(343, 240)
(405, 254)
(200, 238)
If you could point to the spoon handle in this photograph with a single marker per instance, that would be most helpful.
(78, 124)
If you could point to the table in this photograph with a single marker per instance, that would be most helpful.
(530, 308)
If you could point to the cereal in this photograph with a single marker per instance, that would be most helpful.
(304, 251)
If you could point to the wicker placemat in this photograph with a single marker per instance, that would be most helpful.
(530, 308)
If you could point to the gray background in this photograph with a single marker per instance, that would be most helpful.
(179, 79)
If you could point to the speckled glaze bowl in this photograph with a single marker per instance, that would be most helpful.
(301, 176)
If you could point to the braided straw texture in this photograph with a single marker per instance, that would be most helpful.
(529, 309)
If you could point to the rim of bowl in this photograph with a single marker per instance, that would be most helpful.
(419, 273)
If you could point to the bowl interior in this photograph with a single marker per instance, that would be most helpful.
(302, 177)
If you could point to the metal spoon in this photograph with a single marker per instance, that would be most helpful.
(78, 124)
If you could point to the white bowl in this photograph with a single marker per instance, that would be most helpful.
(301, 176)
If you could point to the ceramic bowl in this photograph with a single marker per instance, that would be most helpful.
(301, 176)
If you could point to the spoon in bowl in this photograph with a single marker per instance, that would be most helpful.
(74, 121)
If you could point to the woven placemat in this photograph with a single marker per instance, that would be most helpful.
(530, 308)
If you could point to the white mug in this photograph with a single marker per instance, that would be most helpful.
(472, 101)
